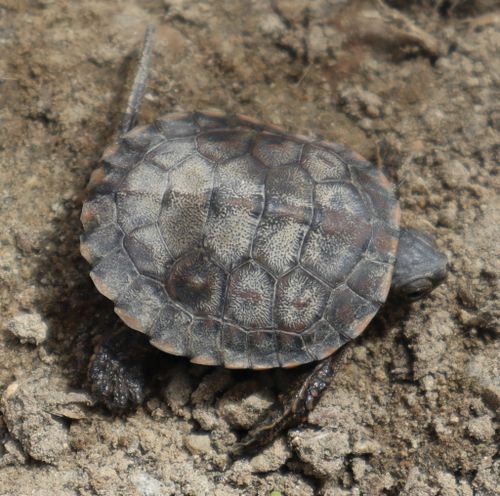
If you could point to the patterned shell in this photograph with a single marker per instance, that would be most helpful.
(234, 244)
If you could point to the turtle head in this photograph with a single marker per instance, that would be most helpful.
(419, 268)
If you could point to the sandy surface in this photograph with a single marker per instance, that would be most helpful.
(412, 412)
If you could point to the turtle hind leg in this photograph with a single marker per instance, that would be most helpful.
(139, 86)
(296, 408)
(117, 370)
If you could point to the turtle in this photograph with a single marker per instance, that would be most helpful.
(235, 244)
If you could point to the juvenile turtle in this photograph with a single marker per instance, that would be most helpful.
(235, 244)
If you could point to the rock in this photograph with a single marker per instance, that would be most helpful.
(483, 371)
(361, 103)
(448, 215)
(331, 488)
(481, 428)
(271, 25)
(430, 339)
(42, 436)
(243, 412)
(272, 457)
(323, 451)
(210, 385)
(455, 174)
(14, 453)
(208, 418)
(198, 443)
(416, 484)
(450, 486)
(365, 446)
(487, 480)
(31, 412)
(359, 469)
(317, 43)
(178, 391)
(26, 240)
(105, 476)
(28, 328)
(147, 485)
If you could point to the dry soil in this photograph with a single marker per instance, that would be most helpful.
(413, 84)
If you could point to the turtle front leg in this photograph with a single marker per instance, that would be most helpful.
(117, 369)
(296, 408)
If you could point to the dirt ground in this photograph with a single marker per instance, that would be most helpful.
(415, 83)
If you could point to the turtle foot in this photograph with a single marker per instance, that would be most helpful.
(116, 371)
(296, 408)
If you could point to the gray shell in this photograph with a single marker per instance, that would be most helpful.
(234, 244)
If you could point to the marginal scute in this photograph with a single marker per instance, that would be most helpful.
(348, 312)
(224, 144)
(384, 243)
(323, 339)
(168, 332)
(213, 119)
(384, 205)
(96, 178)
(234, 347)
(292, 350)
(114, 273)
(250, 297)
(253, 123)
(262, 351)
(203, 341)
(176, 126)
(99, 210)
(121, 157)
(371, 280)
(142, 138)
(350, 157)
(141, 303)
(98, 242)
(105, 180)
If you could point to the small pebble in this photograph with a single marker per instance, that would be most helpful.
(481, 428)
(244, 413)
(147, 485)
(455, 174)
(272, 457)
(198, 443)
(28, 328)
(325, 452)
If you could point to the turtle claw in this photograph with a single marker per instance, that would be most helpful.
(264, 434)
